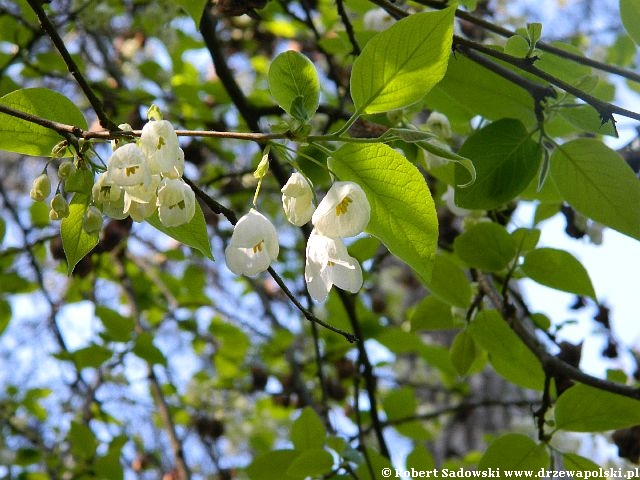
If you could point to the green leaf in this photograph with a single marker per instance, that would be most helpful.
(75, 241)
(82, 439)
(586, 118)
(118, 328)
(308, 431)
(92, 356)
(469, 89)
(505, 158)
(401, 64)
(431, 313)
(294, 84)
(272, 465)
(449, 283)
(598, 183)
(573, 462)
(421, 459)
(5, 314)
(401, 404)
(487, 246)
(21, 136)
(427, 141)
(630, 16)
(463, 352)
(194, 8)
(146, 350)
(403, 214)
(193, 234)
(587, 409)
(508, 355)
(517, 45)
(311, 463)
(514, 451)
(558, 269)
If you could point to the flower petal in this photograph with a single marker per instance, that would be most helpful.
(343, 212)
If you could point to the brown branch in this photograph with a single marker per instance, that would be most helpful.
(156, 390)
(551, 365)
(367, 373)
(506, 33)
(50, 29)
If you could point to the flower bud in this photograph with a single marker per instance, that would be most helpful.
(41, 188)
(60, 206)
(92, 221)
(66, 169)
(297, 200)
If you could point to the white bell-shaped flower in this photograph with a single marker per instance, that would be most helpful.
(176, 202)
(343, 212)
(159, 143)
(128, 166)
(108, 197)
(328, 263)
(297, 200)
(253, 245)
(140, 200)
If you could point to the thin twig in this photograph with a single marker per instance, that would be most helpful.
(550, 363)
(49, 28)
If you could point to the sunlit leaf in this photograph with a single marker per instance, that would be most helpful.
(294, 84)
(403, 214)
(77, 243)
(400, 65)
(28, 138)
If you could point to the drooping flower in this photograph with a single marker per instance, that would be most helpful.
(328, 263)
(59, 207)
(176, 202)
(140, 200)
(253, 245)
(92, 220)
(343, 212)
(439, 124)
(40, 188)
(128, 166)
(297, 200)
(108, 197)
(159, 143)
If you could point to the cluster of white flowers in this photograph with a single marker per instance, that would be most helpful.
(343, 212)
(141, 177)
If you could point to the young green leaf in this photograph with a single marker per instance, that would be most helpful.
(311, 463)
(587, 409)
(598, 183)
(403, 214)
(399, 66)
(630, 16)
(294, 84)
(76, 242)
(463, 352)
(449, 283)
(194, 234)
(558, 269)
(308, 431)
(514, 451)
(194, 8)
(487, 246)
(21, 136)
(508, 355)
(506, 160)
